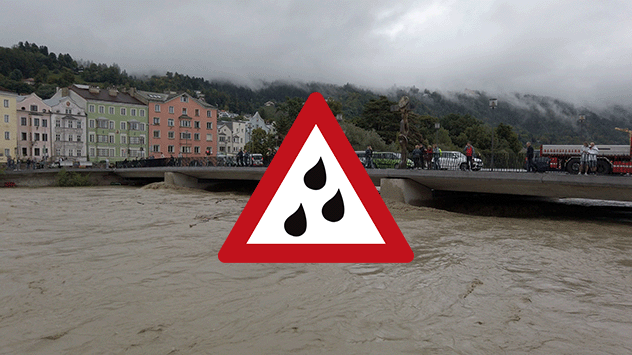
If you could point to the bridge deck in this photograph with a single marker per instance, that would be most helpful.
(551, 184)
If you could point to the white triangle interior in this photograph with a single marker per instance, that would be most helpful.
(356, 227)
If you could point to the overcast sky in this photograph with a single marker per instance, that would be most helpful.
(574, 50)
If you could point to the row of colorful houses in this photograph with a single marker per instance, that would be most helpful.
(87, 123)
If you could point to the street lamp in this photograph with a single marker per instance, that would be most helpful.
(437, 126)
(493, 103)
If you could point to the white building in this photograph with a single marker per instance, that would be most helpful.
(231, 136)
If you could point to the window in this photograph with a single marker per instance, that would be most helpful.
(222, 149)
(171, 135)
(78, 137)
(171, 110)
(141, 113)
(101, 138)
(103, 152)
(155, 148)
(69, 124)
(7, 152)
(37, 136)
(156, 120)
(6, 118)
(196, 136)
(209, 125)
(196, 150)
(91, 152)
(132, 112)
(78, 124)
(123, 125)
(23, 121)
(44, 123)
(185, 123)
(185, 149)
(111, 110)
(111, 124)
(36, 151)
(123, 111)
(91, 108)
(123, 139)
(196, 124)
(24, 136)
(34, 108)
(156, 134)
(197, 112)
(184, 110)
(141, 127)
(101, 109)
(58, 123)
(209, 137)
(133, 126)
(185, 135)
(209, 113)
(25, 151)
(69, 111)
(91, 123)
(7, 136)
(170, 149)
(222, 139)
(157, 108)
(111, 138)
(184, 99)
(58, 138)
(102, 123)
(36, 122)
(70, 138)
(45, 137)
(170, 122)
(6, 103)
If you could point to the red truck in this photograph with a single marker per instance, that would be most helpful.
(612, 159)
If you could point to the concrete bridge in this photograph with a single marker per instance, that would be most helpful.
(416, 187)
(419, 186)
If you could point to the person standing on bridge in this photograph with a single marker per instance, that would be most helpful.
(592, 157)
(469, 155)
(417, 157)
(583, 161)
(530, 165)
(368, 157)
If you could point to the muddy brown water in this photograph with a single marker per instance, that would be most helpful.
(119, 270)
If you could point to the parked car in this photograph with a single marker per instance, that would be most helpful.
(384, 160)
(256, 159)
(453, 160)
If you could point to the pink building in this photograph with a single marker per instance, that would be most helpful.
(180, 125)
(34, 128)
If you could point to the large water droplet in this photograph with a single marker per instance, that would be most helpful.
(316, 177)
(296, 224)
(334, 209)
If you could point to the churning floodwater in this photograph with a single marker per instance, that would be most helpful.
(120, 270)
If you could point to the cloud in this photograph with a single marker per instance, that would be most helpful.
(575, 50)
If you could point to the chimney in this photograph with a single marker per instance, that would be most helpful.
(94, 89)
(112, 92)
(65, 92)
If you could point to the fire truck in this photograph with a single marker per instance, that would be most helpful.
(612, 159)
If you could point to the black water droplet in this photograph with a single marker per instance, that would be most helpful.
(316, 177)
(334, 209)
(296, 224)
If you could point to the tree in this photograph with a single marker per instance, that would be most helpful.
(335, 106)
(16, 75)
(377, 116)
(288, 111)
(260, 141)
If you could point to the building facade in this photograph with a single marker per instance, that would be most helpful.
(116, 123)
(8, 126)
(180, 125)
(231, 136)
(34, 128)
(254, 122)
(68, 130)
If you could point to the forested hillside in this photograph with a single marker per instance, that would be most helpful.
(534, 118)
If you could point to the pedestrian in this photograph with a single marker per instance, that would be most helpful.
(436, 155)
(247, 161)
(530, 165)
(368, 157)
(583, 161)
(592, 157)
(429, 157)
(417, 157)
(469, 155)
(422, 159)
(240, 157)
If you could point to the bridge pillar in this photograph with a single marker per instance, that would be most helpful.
(178, 179)
(406, 191)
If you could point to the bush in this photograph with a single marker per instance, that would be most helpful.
(70, 179)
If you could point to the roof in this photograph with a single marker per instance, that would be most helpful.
(163, 97)
(103, 95)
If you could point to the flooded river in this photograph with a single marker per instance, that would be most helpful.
(120, 270)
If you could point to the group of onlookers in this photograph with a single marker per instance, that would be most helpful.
(588, 158)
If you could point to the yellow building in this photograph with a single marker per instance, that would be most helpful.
(8, 126)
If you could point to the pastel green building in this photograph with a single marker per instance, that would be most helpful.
(116, 126)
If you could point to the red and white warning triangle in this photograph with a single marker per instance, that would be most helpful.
(315, 203)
